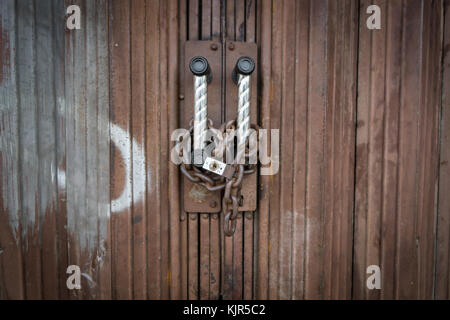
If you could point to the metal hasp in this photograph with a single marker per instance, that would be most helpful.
(199, 66)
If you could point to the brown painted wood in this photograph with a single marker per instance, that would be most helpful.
(443, 231)
(120, 115)
(137, 16)
(204, 272)
(362, 180)
(153, 147)
(395, 175)
(262, 216)
(193, 257)
(183, 16)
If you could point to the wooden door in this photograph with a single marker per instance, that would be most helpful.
(86, 117)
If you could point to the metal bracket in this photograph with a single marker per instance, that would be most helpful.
(235, 50)
(196, 197)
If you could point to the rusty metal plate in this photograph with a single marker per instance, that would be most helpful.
(235, 50)
(196, 197)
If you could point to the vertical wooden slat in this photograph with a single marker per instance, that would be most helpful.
(215, 18)
(174, 199)
(204, 272)
(193, 256)
(120, 174)
(397, 150)
(214, 221)
(275, 122)
(204, 219)
(164, 156)
(315, 138)
(206, 19)
(214, 257)
(103, 166)
(138, 115)
(442, 277)
(237, 258)
(230, 19)
(250, 20)
(183, 18)
(374, 143)
(153, 147)
(430, 108)
(29, 164)
(247, 256)
(90, 239)
(286, 150)
(365, 49)
(263, 244)
(47, 147)
(69, 133)
(300, 155)
(193, 21)
(239, 19)
(348, 54)
(330, 222)
(406, 263)
(60, 119)
(390, 178)
(11, 263)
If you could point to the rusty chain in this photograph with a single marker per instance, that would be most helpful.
(213, 182)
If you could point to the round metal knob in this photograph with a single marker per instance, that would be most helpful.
(245, 66)
(199, 66)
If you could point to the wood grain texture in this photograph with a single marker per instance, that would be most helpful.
(443, 223)
(397, 149)
(85, 175)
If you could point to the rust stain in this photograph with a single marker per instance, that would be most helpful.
(198, 193)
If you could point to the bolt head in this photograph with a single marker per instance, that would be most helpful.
(213, 204)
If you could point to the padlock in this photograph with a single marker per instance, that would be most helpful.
(218, 167)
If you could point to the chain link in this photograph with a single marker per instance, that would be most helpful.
(212, 182)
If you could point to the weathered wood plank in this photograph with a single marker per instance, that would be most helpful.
(138, 114)
(29, 164)
(193, 257)
(275, 123)
(103, 161)
(153, 147)
(164, 162)
(262, 216)
(60, 133)
(173, 110)
(46, 141)
(11, 263)
(286, 149)
(121, 179)
(300, 148)
(315, 138)
(443, 231)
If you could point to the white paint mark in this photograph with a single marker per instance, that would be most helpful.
(121, 140)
